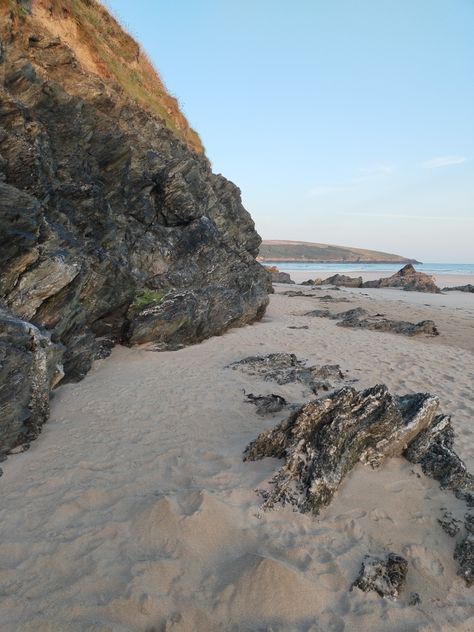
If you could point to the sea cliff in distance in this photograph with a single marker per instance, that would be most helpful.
(305, 251)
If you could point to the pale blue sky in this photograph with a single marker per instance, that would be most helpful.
(342, 121)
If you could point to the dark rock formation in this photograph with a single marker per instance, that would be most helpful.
(30, 365)
(326, 298)
(386, 576)
(293, 293)
(279, 277)
(355, 318)
(99, 199)
(284, 368)
(449, 524)
(267, 404)
(378, 323)
(340, 280)
(312, 282)
(323, 441)
(460, 288)
(469, 522)
(408, 279)
(464, 553)
(414, 599)
(433, 450)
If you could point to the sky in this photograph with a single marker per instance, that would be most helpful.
(348, 122)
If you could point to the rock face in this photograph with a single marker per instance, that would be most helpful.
(323, 441)
(386, 576)
(279, 277)
(408, 279)
(359, 318)
(100, 200)
(30, 364)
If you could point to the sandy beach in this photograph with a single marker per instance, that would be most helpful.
(134, 511)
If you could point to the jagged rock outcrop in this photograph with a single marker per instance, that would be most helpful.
(326, 438)
(312, 282)
(460, 288)
(359, 318)
(101, 200)
(323, 441)
(340, 280)
(386, 576)
(278, 276)
(407, 279)
(284, 368)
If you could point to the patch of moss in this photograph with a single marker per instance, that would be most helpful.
(146, 296)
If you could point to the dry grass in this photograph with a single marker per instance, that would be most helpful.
(115, 56)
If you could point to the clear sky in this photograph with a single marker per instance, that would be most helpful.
(342, 121)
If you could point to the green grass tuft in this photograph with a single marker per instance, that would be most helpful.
(146, 296)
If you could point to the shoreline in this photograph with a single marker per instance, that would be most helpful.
(401, 262)
(442, 280)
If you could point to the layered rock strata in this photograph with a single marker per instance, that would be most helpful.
(284, 368)
(322, 441)
(112, 227)
(359, 318)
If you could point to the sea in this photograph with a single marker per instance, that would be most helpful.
(430, 268)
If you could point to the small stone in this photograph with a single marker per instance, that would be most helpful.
(267, 404)
(414, 599)
(386, 576)
(449, 524)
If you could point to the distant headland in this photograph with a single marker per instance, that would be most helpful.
(308, 252)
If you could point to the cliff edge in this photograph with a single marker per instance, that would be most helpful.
(113, 227)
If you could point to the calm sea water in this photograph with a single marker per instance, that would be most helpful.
(429, 268)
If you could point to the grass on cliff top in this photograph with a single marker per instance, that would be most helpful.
(118, 57)
(323, 252)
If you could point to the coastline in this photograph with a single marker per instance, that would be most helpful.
(134, 509)
(442, 280)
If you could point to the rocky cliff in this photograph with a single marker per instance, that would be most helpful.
(113, 227)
